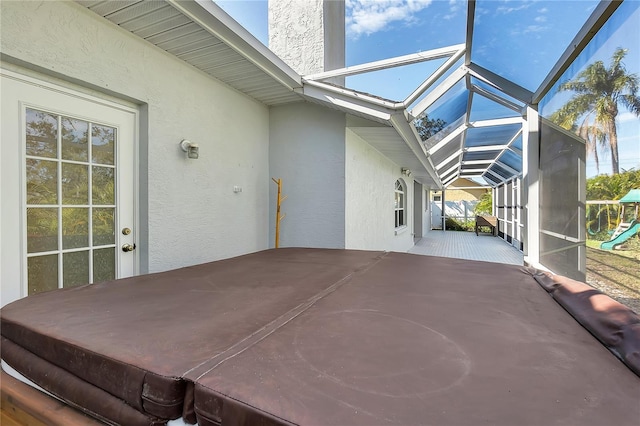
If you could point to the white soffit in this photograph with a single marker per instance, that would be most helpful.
(204, 36)
(389, 143)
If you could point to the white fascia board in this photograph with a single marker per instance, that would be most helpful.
(433, 78)
(448, 159)
(447, 139)
(387, 105)
(471, 175)
(501, 83)
(496, 122)
(485, 148)
(411, 138)
(598, 18)
(347, 104)
(439, 91)
(398, 61)
(218, 23)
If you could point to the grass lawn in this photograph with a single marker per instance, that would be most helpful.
(616, 272)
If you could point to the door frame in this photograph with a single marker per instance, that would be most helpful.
(9, 256)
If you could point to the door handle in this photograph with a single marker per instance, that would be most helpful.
(128, 247)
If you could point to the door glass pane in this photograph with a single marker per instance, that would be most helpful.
(75, 227)
(75, 135)
(75, 267)
(42, 229)
(42, 134)
(103, 186)
(69, 206)
(42, 182)
(42, 273)
(103, 226)
(75, 184)
(104, 265)
(103, 143)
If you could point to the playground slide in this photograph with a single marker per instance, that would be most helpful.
(611, 244)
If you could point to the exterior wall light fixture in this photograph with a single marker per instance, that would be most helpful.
(406, 171)
(192, 149)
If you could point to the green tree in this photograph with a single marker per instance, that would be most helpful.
(428, 127)
(614, 187)
(592, 111)
(485, 205)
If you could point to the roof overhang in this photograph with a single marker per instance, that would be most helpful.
(203, 35)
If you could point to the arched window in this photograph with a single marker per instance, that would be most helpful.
(400, 204)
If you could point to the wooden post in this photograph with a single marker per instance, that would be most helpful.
(279, 217)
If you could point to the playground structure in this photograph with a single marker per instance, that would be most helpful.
(629, 220)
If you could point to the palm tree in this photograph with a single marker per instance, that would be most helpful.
(592, 111)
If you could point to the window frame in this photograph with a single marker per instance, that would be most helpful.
(400, 205)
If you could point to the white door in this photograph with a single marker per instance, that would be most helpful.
(68, 189)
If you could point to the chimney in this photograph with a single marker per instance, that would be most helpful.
(308, 35)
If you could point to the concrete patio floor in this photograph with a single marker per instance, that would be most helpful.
(466, 245)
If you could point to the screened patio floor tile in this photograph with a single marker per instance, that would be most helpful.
(466, 245)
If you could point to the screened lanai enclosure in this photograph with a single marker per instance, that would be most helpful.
(472, 119)
(202, 320)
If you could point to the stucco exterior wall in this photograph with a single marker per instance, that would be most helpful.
(296, 33)
(307, 151)
(188, 211)
(369, 212)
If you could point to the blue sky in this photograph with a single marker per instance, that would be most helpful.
(520, 40)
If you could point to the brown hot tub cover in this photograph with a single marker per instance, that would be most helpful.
(311, 336)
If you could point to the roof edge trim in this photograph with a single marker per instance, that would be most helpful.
(218, 23)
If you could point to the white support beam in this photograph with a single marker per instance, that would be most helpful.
(450, 170)
(347, 102)
(599, 16)
(439, 91)
(496, 176)
(433, 78)
(474, 171)
(447, 139)
(357, 97)
(506, 167)
(496, 160)
(450, 179)
(448, 159)
(497, 99)
(496, 122)
(471, 16)
(486, 148)
(398, 61)
(474, 162)
(505, 86)
(531, 188)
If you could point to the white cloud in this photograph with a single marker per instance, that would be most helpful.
(626, 116)
(455, 6)
(540, 19)
(506, 9)
(369, 16)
